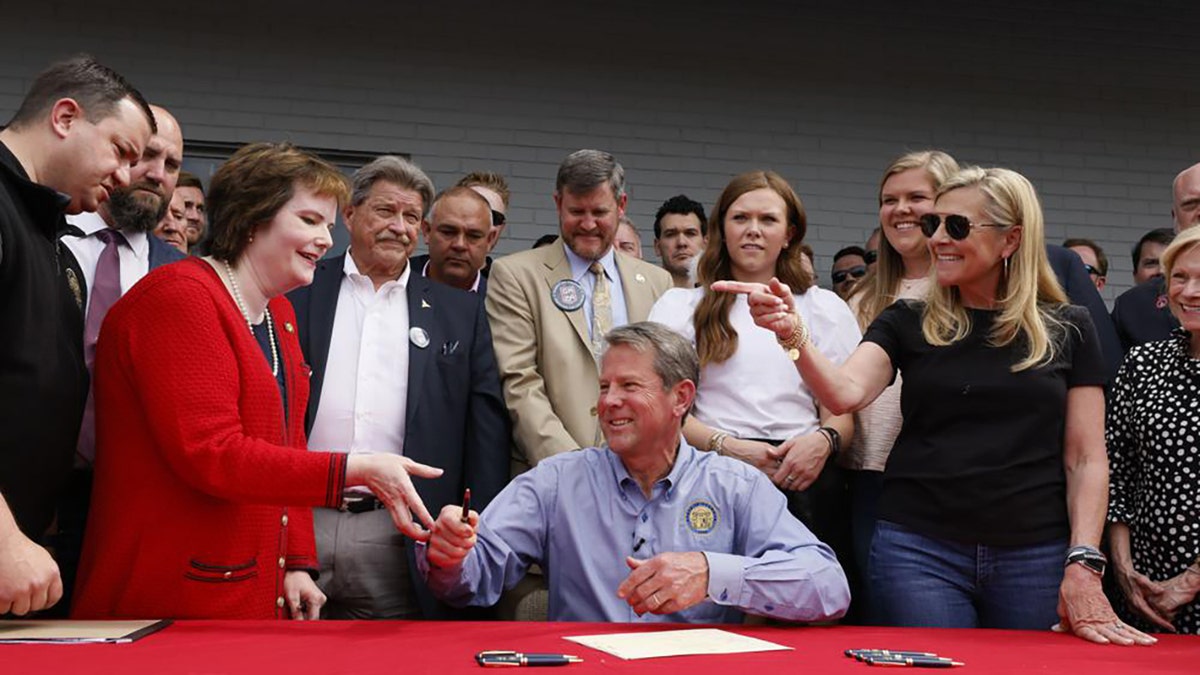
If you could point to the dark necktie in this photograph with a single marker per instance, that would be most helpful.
(105, 291)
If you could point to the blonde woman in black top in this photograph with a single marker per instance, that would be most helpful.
(999, 476)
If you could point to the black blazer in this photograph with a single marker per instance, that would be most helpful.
(456, 418)
(1141, 314)
(1074, 279)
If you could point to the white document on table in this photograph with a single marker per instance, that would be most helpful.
(652, 645)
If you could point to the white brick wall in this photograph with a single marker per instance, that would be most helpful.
(1098, 103)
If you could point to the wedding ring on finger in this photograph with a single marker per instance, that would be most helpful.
(657, 602)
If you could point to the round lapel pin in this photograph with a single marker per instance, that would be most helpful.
(567, 295)
(418, 337)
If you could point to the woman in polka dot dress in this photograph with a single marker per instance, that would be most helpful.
(1154, 450)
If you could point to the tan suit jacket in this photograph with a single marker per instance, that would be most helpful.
(551, 380)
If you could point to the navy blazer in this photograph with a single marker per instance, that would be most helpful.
(1142, 314)
(418, 263)
(456, 418)
(1074, 279)
(162, 253)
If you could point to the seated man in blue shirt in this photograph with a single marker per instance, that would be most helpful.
(646, 528)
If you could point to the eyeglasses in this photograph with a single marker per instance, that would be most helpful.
(958, 227)
(858, 272)
(871, 256)
(498, 219)
(1092, 270)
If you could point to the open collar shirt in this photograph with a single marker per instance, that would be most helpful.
(365, 396)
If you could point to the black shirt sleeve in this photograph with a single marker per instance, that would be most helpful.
(1088, 366)
(890, 328)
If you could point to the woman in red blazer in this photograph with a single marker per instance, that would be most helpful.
(203, 484)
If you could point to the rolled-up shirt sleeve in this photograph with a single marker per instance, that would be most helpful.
(783, 571)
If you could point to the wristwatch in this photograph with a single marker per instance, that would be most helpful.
(1089, 557)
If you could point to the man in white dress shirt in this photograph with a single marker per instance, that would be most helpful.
(400, 364)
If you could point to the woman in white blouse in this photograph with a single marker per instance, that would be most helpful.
(751, 403)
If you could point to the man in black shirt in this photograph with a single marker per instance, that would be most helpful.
(73, 140)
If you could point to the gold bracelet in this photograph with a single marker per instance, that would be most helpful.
(797, 340)
(716, 442)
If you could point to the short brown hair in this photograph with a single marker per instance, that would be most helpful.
(189, 179)
(250, 188)
(488, 179)
(1101, 259)
(95, 87)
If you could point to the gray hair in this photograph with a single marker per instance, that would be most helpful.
(585, 170)
(396, 170)
(675, 358)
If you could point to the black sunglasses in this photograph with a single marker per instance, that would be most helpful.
(858, 272)
(497, 219)
(871, 257)
(1092, 270)
(958, 227)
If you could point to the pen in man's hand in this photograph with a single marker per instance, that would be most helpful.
(501, 658)
(466, 510)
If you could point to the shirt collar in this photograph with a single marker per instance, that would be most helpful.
(580, 267)
(474, 287)
(683, 458)
(351, 270)
(91, 223)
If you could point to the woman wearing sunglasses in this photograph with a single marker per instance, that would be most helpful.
(751, 403)
(996, 488)
(906, 193)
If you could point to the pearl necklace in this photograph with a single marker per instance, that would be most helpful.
(237, 297)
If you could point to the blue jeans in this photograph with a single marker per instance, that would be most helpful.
(923, 581)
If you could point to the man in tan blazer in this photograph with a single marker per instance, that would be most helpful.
(545, 306)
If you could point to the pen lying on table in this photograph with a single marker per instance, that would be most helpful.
(918, 661)
(504, 658)
(888, 657)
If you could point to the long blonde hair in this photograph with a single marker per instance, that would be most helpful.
(716, 340)
(1027, 288)
(879, 288)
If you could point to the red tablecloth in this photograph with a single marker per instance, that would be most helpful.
(411, 648)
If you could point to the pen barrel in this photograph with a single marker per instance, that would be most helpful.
(544, 660)
(918, 662)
